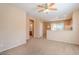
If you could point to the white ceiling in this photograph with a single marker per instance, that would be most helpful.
(64, 10)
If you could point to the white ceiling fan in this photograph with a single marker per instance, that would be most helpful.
(46, 7)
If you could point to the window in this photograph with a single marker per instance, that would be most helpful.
(57, 26)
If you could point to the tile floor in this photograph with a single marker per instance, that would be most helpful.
(43, 47)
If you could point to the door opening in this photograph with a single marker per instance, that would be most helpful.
(31, 28)
(46, 27)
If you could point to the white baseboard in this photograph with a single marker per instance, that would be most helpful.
(13, 46)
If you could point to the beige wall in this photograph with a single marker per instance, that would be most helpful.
(12, 27)
(38, 29)
(67, 36)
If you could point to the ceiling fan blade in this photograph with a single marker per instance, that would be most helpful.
(52, 8)
(51, 4)
(40, 6)
(41, 10)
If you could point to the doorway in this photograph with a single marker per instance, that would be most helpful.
(31, 28)
(46, 27)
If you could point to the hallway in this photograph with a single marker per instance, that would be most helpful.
(43, 47)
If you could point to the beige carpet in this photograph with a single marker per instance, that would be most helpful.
(43, 47)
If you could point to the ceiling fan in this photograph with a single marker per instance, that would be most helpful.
(46, 7)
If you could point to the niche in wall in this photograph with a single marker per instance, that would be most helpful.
(68, 24)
